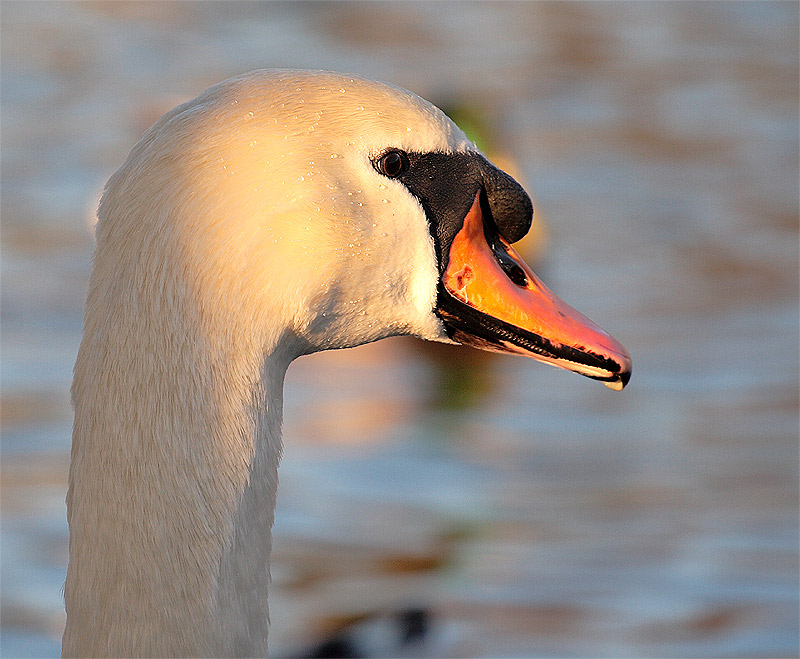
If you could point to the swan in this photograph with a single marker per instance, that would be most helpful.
(277, 214)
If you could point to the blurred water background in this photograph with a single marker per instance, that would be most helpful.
(529, 511)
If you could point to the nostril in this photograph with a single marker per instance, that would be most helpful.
(512, 269)
(515, 274)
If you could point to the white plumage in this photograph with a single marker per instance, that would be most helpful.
(247, 227)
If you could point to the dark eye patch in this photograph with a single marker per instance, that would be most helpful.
(446, 184)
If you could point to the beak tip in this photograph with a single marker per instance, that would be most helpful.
(622, 379)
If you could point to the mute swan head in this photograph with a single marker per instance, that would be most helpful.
(345, 211)
(276, 214)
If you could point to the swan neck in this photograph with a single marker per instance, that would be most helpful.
(172, 489)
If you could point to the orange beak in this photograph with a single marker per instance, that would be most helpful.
(492, 300)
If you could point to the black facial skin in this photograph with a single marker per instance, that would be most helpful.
(446, 184)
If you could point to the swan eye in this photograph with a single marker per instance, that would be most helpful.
(392, 163)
